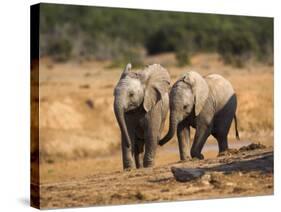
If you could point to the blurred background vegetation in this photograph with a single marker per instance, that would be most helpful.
(84, 32)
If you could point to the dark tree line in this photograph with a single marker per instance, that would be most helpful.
(80, 32)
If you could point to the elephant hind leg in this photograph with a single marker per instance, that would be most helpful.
(222, 124)
(222, 142)
(221, 128)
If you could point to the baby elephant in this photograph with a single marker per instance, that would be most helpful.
(207, 104)
(141, 104)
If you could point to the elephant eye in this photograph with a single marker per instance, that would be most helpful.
(185, 107)
(131, 94)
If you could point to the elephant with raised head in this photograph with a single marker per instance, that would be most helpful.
(207, 104)
(141, 104)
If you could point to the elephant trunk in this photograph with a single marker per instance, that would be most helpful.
(120, 116)
(172, 129)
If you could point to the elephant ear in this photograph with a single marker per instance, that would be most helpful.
(199, 88)
(157, 83)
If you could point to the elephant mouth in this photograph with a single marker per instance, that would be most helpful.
(131, 106)
(186, 115)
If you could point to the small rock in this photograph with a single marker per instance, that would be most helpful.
(90, 103)
(252, 146)
(217, 174)
(140, 196)
(85, 86)
(116, 196)
(206, 179)
(238, 190)
(87, 74)
(230, 184)
(228, 152)
(186, 174)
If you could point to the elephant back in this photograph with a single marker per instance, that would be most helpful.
(220, 88)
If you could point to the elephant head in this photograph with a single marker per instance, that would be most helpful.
(188, 95)
(139, 88)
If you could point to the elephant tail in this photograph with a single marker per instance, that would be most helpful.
(236, 128)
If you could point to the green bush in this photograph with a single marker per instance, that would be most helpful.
(161, 41)
(237, 47)
(60, 50)
(69, 31)
(182, 57)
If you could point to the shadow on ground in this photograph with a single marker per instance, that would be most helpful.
(264, 164)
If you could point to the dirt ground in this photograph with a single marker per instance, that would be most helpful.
(245, 173)
(80, 160)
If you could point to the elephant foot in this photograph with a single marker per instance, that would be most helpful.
(147, 164)
(128, 166)
(197, 156)
(139, 166)
(128, 169)
(185, 158)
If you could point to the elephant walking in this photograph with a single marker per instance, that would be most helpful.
(141, 104)
(207, 104)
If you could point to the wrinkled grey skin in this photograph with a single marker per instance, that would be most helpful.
(207, 104)
(141, 104)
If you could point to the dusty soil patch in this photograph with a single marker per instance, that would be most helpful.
(244, 173)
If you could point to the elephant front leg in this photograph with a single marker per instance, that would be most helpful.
(201, 135)
(127, 158)
(138, 153)
(151, 141)
(150, 150)
(183, 133)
